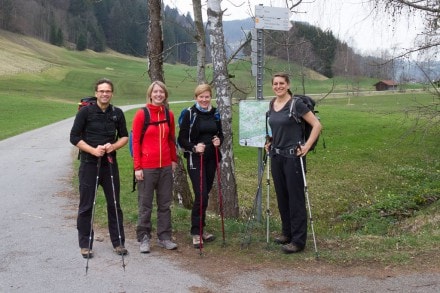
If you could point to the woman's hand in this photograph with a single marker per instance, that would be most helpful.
(216, 141)
(302, 150)
(267, 146)
(139, 175)
(200, 148)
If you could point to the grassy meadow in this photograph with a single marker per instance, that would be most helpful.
(374, 188)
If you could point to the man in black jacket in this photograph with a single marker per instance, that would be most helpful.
(98, 131)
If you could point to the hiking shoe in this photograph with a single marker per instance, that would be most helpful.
(167, 244)
(120, 250)
(291, 248)
(196, 241)
(282, 239)
(145, 245)
(207, 237)
(86, 253)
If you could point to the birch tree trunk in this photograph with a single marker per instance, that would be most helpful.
(200, 40)
(224, 102)
(181, 191)
(213, 204)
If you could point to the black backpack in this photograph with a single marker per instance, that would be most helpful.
(306, 127)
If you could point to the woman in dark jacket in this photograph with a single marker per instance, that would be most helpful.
(200, 136)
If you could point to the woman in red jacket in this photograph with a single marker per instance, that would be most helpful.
(154, 158)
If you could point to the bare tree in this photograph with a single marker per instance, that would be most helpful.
(201, 43)
(182, 193)
(428, 9)
(155, 41)
(224, 101)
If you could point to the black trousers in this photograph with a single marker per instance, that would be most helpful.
(208, 169)
(289, 187)
(87, 182)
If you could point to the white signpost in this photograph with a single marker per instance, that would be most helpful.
(252, 127)
(272, 18)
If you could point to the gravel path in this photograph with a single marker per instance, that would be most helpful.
(40, 251)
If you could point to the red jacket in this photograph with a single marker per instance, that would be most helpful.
(159, 144)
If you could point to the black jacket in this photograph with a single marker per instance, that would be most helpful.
(197, 126)
(96, 127)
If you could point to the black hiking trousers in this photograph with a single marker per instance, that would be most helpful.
(289, 187)
(208, 174)
(87, 182)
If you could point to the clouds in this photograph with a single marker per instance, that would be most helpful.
(352, 21)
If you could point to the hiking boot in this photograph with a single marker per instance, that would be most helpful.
(196, 241)
(145, 245)
(291, 248)
(167, 244)
(86, 253)
(207, 237)
(282, 239)
(120, 250)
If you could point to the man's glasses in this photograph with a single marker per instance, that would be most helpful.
(105, 92)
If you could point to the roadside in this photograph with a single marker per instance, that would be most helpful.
(37, 217)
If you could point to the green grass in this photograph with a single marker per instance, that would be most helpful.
(374, 189)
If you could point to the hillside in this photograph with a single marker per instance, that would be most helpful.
(24, 54)
(21, 54)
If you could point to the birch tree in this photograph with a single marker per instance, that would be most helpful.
(224, 102)
(428, 9)
(200, 40)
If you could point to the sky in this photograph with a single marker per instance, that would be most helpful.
(352, 21)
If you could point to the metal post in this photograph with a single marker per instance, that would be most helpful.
(258, 65)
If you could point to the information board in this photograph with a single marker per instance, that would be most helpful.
(252, 122)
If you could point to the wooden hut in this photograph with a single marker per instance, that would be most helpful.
(386, 85)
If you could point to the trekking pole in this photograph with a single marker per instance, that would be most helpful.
(201, 207)
(306, 192)
(220, 195)
(249, 225)
(267, 201)
(98, 167)
(110, 165)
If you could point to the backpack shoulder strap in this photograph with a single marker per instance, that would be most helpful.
(292, 102)
(292, 109)
(192, 117)
(267, 116)
(167, 116)
(271, 105)
(146, 122)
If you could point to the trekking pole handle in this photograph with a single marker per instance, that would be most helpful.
(109, 158)
(298, 147)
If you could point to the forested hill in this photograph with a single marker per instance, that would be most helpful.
(121, 25)
(89, 24)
